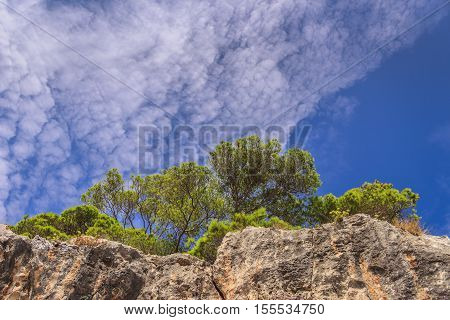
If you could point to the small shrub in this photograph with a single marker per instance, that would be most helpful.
(46, 225)
(86, 226)
(77, 220)
(378, 200)
(339, 215)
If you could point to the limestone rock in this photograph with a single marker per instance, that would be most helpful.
(96, 269)
(358, 258)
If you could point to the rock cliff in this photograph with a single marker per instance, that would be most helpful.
(358, 258)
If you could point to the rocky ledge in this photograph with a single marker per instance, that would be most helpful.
(358, 258)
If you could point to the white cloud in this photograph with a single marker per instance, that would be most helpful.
(64, 121)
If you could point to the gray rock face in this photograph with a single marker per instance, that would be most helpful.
(96, 269)
(359, 258)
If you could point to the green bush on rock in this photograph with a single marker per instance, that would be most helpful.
(379, 200)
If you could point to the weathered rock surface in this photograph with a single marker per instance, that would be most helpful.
(96, 269)
(358, 258)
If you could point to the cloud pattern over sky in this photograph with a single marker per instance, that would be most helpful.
(63, 121)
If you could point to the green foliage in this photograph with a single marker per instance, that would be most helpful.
(173, 206)
(47, 232)
(86, 220)
(110, 196)
(107, 228)
(379, 200)
(207, 245)
(72, 222)
(186, 200)
(46, 225)
(77, 220)
(253, 174)
(319, 209)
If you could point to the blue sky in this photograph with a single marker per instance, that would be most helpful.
(399, 129)
(78, 78)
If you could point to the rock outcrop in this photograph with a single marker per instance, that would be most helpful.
(358, 258)
(97, 269)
